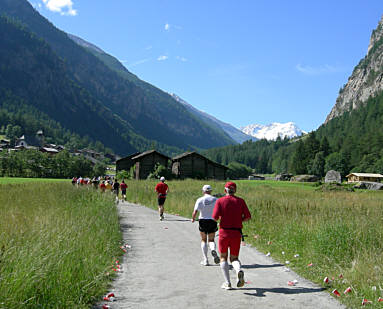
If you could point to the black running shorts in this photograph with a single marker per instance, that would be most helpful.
(161, 200)
(207, 226)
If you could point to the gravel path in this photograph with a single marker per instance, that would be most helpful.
(162, 270)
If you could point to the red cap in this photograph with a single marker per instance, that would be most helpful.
(231, 185)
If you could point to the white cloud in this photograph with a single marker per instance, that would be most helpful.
(167, 27)
(319, 70)
(162, 58)
(138, 62)
(183, 59)
(64, 7)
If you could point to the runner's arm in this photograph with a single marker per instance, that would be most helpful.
(193, 215)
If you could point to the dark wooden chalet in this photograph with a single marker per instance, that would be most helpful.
(194, 165)
(124, 164)
(146, 161)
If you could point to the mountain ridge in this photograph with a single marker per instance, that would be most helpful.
(136, 107)
(366, 79)
(273, 131)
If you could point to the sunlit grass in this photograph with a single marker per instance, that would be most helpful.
(13, 180)
(338, 232)
(57, 244)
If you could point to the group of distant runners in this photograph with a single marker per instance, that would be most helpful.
(108, 184)
(229, 210)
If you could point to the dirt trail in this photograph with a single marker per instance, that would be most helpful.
(162, 270)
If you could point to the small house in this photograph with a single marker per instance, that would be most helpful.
(124, 164)
(256, 177)
(357, 177)
(194, 165)
(27, 141)
(146, 161)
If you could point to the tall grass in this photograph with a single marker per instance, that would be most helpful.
(57, 244)
(340, 233)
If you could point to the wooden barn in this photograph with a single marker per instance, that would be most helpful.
(146, 161)
(194, 165)
(124, 164)
(356, 177)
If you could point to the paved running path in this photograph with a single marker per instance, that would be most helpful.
(162, 270)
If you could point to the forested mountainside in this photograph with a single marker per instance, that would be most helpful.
(366, 79)
(45, 69)
(351, 141)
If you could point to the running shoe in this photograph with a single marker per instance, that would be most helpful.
(226, 286)
(204, 263)
(241, 279)
(215, 256)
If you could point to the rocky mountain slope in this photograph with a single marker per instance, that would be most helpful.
(233, 132)
(366, 80)
(273, 130)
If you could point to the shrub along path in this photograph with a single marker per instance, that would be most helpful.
(162, 270)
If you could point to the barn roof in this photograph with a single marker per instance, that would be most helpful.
(365, 175)
(129, 157)
(189, 153)
(143, 154)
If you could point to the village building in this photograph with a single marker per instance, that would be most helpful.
(4, 143)
(194, 165)
(145, 163)
(256, 177)
(30, 141)
(357, 177)
(49, 150)
(126, 163)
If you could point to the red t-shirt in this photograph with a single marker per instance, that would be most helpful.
(231, 210)
(161, 189)
(123, 186)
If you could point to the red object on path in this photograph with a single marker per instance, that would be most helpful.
(105, 306)
(335, 292)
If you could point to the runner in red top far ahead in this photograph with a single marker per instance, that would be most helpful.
(162, 190)
(231, 211)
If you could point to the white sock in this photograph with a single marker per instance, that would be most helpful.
(225, 271)
(212, 245)
(236, 265)
(204, 250)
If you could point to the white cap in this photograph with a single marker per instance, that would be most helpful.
(162, 178)
(206, 188)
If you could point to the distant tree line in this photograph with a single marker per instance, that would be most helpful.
(352, 142)
(35, 164)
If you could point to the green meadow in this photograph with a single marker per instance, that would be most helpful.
(57, 244)
(339, 233)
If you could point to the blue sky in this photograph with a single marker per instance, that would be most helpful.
(246, 61)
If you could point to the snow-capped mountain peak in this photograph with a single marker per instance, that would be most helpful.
(273, 130)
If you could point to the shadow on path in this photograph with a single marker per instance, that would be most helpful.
(261, 266)
(260, 292)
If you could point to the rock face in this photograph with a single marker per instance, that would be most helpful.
(366, 80)
(305, 178)
(369, 185)
(283, 177)
(333, 176)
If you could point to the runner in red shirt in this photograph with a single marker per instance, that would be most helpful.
(231, 211)
(162, 190)
(123, 187)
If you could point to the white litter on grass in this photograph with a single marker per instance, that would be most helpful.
(287, 262)
(296, 255)
(283, 252)
(268, 254)
(373, 288)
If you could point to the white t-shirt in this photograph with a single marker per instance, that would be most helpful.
(205, 206)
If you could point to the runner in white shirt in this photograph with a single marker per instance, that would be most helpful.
(207, 225)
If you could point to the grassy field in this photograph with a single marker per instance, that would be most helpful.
(14, 180)
(57, 244)
(339, 233)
